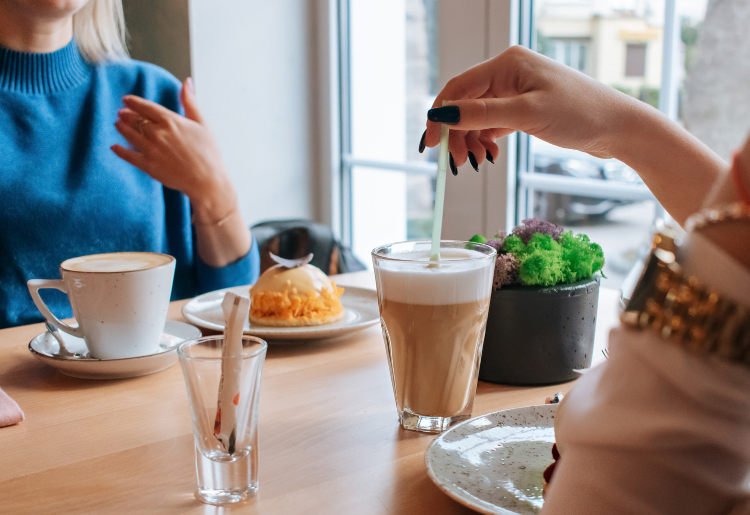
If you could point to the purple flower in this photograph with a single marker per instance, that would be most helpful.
(497, 241)
(496, 244)
(531, 226)
(506, 271)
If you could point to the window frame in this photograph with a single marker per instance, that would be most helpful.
(508, 22)
(500, 32)
(529, 182)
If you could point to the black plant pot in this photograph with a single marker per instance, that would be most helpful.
(539, 334)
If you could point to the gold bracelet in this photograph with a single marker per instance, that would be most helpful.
(710, 216)
(683, 311)
(217, 223)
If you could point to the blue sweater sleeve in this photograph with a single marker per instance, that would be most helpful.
(243, 271)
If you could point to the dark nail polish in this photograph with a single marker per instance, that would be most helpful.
(489, 158)
(421, 142)
(449, 115)
(454, 170)
(473, 161)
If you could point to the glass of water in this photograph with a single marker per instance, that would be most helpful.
(225, 475)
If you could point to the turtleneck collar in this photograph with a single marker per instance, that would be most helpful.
(41, 74)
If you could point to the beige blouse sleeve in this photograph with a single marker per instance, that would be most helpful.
(656, 430)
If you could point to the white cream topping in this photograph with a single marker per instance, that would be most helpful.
(456, 279)
(303, 278)
(116, 262)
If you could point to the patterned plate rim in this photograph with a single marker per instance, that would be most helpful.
(469, 500)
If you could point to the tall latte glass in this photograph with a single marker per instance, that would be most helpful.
(433, 316)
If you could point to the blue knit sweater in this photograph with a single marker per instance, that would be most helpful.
(63, 193)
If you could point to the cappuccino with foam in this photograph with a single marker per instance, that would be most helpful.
(116, 262)
(119, 300)
(433, 317)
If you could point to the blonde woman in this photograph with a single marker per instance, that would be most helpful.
(80, 123)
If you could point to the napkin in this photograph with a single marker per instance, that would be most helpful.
(10, 413)
(656, 429)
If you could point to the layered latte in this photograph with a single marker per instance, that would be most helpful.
(433, 318)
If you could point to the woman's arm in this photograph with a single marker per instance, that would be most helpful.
(520, 90)
(182, 154)
(733, 237)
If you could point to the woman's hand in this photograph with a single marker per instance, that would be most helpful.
(182, 154)
(179, 152)
(520, 90)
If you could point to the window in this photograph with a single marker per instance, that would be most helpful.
(635, 60)
(570, 52)
(388, 187)
(395, 57)
(391, 85)
(603, 198)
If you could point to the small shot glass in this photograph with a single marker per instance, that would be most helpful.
(223, 477)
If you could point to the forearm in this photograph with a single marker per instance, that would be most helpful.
(220, 246)
(732, 236)
(678, 168)
(221, 234)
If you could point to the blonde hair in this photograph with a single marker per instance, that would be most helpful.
(99, 30)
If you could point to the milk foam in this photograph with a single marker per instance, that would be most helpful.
(409, 278)
(116, 262)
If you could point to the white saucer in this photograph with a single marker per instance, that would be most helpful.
(47, 350)
(360, 311)
(494, 463)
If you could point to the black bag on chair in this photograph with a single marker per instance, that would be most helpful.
(293, 239)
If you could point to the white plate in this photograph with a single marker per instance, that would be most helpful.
(494, 463)
(360, 311)
(46, 349)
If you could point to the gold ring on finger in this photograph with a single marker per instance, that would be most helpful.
(140, 123)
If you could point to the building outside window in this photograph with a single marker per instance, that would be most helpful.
(603, 198)
(571, 52)
(635, 60)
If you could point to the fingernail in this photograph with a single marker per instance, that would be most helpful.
(489, 157)
(421, 142)
(454, 170)
(190, 84)
(473, 161)
(449, 115)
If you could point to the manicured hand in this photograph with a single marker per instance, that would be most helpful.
(180, 152)
(521, 90)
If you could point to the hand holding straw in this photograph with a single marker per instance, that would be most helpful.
(437, 214)
(235, 310)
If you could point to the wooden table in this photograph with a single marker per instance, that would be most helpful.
(329, 435)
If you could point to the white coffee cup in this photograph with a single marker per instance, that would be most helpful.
(120, 301)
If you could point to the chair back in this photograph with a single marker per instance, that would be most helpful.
(293, 239)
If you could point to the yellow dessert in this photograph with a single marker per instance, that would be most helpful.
(294, 297)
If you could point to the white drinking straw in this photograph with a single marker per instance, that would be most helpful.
(437, 214)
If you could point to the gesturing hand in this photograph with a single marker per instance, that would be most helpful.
(179, 152)
(520, 90)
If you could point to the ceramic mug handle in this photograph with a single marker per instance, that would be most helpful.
(39, 284)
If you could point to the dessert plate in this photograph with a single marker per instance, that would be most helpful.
(360, 311)
(494, 463)
(47, 350)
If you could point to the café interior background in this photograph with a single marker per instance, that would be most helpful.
(318, 105)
